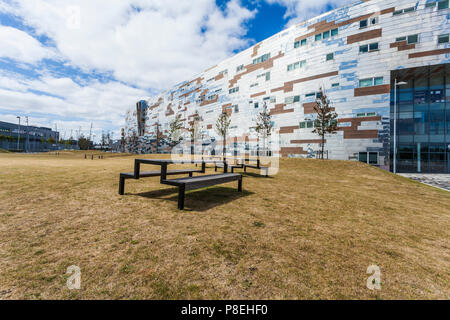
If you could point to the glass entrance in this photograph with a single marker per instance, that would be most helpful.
(422, 119)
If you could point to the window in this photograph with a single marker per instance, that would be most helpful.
(371, 82)
(311, 94)
(236, 108)
(233, 90)
(309, 124)
(373, 157)
(413, 39)
(409, 39)
(363, 24)
(296, 44)
(303, 42)
(296, 65)
(378, 81)
(254, 85)
(443, 5)
(256, 105)
(302, 125)
(273, 99)
(325, 35)
(363, 157)
(291, 100)
(330, 56)
(267, 76)
(239, 68)
(373, 46)
(261, 59)
(398, 12)
(443, 38)
(368, 47)
(334, 85)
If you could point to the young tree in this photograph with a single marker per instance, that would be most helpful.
(264, 126)
(222, 126)
(159, 136)
(195, 130)
(325, 122)
(175, 130)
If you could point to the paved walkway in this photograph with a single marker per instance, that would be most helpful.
(436, 180)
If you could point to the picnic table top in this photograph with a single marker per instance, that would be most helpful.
(170, 161)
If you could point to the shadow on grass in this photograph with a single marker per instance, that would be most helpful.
(198, 200)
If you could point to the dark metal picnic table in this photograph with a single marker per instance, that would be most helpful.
(166, 162)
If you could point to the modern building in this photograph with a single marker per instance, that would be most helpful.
(357, 53)
(32, 139)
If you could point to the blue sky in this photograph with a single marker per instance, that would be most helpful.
(73, 63)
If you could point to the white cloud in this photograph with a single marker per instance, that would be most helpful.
(151, 44)
(64, 102)
(20, 46)
(148, 44)
(302, 10)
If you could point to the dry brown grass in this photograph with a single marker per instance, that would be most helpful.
(278, 240)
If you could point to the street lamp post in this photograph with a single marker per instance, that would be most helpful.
(27, 146)
(18, 135)
(395, 121)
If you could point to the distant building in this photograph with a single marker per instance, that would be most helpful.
(356, 53)
(32, 139)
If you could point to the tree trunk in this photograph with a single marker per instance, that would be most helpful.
(323, 146)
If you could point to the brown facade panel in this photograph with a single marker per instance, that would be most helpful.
(209, 126)
(372, 34)
(308, 141)
(308, 108)
(288, 129)
(258, 94)
(255, 50)
(368, 91)
(361, 134)
(428, 53)
(279, 109)
(207, 102)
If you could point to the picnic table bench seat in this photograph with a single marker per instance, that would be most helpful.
(146, 174)
(198, 182)
(256, 167)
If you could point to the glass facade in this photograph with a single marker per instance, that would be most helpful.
(423, 119)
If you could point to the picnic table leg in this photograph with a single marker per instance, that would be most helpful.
(240, 184)
(122, 186)
(163, 172)
(203, 167)
(181, 191)
(137, 169)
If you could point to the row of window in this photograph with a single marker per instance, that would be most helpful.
(370, 82)
(261, 59)
(368, 22)
(233, 90)
(296, 65)
(442, 4)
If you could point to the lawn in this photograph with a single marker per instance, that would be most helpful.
(308, 233)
